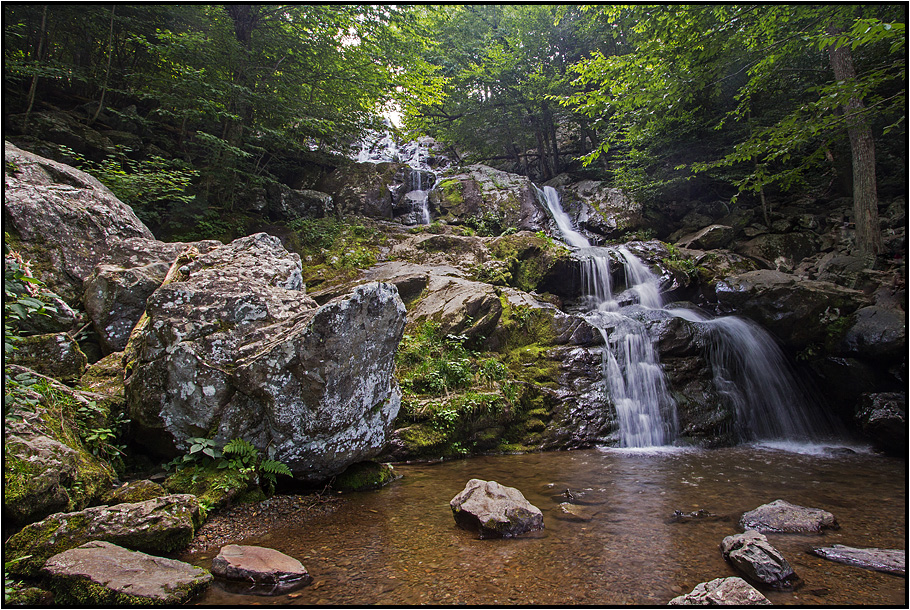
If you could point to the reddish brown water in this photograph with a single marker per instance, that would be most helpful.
(399, 545)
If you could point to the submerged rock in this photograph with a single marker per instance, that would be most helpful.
(753, 555)
(494, 510)
(782, 517)
(159, 525)
(234, 348)
(262, 566)
(99, 573)
(732, 591)
(883, 560)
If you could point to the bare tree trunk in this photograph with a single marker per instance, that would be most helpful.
(34, 86)
(862, 149)
(107, 71)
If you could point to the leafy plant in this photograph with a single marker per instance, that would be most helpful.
(237, 455)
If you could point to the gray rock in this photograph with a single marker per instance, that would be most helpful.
(782, 517)
(709, 238)
(596, 207)
(286, 203)
(101, 574)
(877, 334)
(732, 591)
(136, 491)
(66, 221)
(798, 312)
(892, 561)
(234, 348)
(260, 566)
(160, 525)
(753, 555)
(883, 419)
(56, 355)
(781, 251)
(494, 510)
(116, 291)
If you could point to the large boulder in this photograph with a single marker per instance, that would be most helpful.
(782, 517)
(600, 209)
(490, 199)
(753, 555)
(877, 333)
(62, 220)
(260, 566)
(709, 238)
(781, 251)
(798, 312)
(232, 347)
(732, 591)
(371, 189)
(160, 525)
(102, 574)
(116, 291)
(494, 510)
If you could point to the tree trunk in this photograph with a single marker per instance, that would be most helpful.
(107, 71)
(862, 149)
(34, 86)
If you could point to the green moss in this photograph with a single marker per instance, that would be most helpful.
(214, 487)
(452, 191)
(80, 591)
(364, 476)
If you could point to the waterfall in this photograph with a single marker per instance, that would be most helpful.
(418, 194)
(749, 370)
(381, 147)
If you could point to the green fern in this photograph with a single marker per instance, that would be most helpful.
(274, 467)
(240, 448)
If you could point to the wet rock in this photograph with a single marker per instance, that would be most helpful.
(55, 355)
(234, 348)
(63, 220)
(494, 510)
(782, 517)
(798, 312)
(883, 560)
(260, 566)
(364, 476)
(753, 555)
(368, 189)
(99, 573)
(568, 511)
(877, 333)
(732, 591)
(709, 238)
(697, 515)
(883, 419)
(160, 525)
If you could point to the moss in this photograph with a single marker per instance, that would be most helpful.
(37, 542)
(80, 591)
(364, 476)
(452, 191)
(214, 487)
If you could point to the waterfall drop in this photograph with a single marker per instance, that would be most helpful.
(750, 372)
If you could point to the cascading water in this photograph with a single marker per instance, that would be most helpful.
(632, 374)
(750, 371)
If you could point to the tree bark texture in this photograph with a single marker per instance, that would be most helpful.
(862, 149)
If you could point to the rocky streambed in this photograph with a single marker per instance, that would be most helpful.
(611, 535)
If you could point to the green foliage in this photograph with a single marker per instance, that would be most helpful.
(237, 455)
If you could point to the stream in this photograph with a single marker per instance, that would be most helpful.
(400, 546)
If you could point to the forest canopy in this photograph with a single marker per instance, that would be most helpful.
(668, 100)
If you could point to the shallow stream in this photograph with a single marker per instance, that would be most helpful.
(400, 545)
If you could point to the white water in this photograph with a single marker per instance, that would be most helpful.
(381, 147)
(750, 371)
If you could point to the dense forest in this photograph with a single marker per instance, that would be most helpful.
(280, 278)
(675, 101)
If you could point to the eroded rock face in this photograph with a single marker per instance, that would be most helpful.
(99, 573)
(494, 510)
(601, 209)
(883, 419)
(782, 517)
(753, 555)
(160, 525)
(234, 347)
(65, 221)
(731, 591)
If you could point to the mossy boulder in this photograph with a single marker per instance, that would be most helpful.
(135, 491)
(55, 355)
(47, 466)
(364, 476)
(99, 574)
(160, 525)
(533, 261)
(215, 488)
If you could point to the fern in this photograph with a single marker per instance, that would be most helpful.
(273, 467)
(241, 448)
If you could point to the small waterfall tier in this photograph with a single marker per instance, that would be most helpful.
(750, 373)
